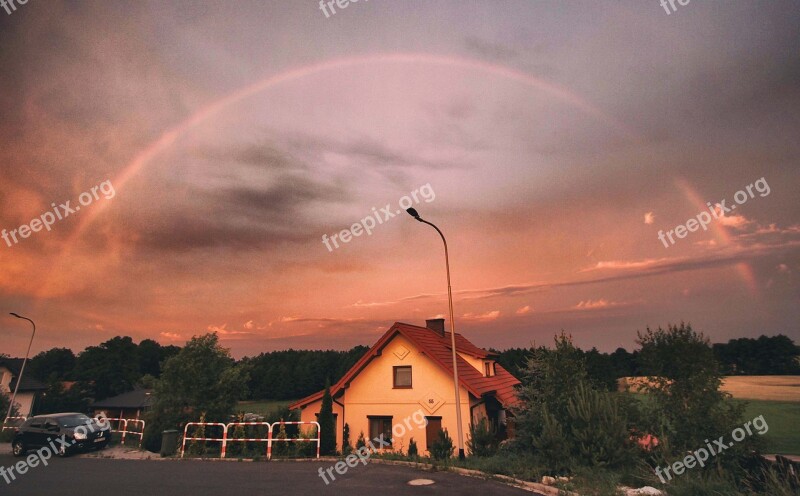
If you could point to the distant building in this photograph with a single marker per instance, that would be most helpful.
(411, 368)
(130, 405)
(28, 388)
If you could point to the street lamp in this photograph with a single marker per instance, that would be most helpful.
(413, 213)
(22, 370)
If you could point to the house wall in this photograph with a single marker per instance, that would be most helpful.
(372, 393)
(475, 362)
(24, 400)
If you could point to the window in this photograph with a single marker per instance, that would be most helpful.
(402, 377)
(380, 426)
(489, 368)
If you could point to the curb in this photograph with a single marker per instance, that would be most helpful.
(511, 481)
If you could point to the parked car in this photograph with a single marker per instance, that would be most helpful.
(63, 432)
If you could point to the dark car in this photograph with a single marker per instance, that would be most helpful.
(64, 433)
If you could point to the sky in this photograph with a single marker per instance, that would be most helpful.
(568, 150)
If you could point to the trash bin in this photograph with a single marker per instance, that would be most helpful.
(169, 442)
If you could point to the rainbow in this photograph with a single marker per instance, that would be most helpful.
(721, 234)
(141, 160)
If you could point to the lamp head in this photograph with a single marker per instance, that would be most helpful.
(413, 213)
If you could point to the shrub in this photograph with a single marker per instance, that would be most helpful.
(281, 448)
(598, 431)
(412, 449)
(237, 447)
(360, 442)
(347, 447)
(482, 438)
(442, 448)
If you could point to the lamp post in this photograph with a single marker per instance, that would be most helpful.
(413, 213)
(21, 370)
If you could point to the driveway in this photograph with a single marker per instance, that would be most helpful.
(89, 476)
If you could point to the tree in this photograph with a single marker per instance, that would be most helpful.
(151, 355)
(56, 363)
(202, 377)
(684, 380)
(776, 355)
(112, 367)
(550, 378)
(327, 424)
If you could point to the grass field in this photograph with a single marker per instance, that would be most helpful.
(777, 398)
(783, 436)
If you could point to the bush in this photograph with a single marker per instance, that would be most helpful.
(598, 431)
(482, 438)
(442, 448)
(412, 449)
(360, 442)
(347, 447)
(237, 447)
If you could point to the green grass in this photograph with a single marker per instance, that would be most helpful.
(782, 417)
(262, 407)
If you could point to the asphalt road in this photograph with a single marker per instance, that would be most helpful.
(97, 476)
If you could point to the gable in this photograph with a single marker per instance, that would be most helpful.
(437, 349)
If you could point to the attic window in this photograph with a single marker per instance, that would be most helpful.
(489, 369)
(402, 377)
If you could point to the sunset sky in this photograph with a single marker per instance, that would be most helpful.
(557, 138)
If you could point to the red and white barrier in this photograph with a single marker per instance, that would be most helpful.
(255, 440)
(140, 432)
(223, 439)
(13, 427)
(272, 439)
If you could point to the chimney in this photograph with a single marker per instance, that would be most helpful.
(435, 325)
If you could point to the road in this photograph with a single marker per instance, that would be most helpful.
(98, 476)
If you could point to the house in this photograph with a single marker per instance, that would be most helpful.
(29, 387)
(130, 405)
(410, 368)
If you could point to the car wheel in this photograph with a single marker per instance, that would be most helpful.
(101, 446)
(18, 448)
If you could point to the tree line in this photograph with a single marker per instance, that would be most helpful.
(120, 365)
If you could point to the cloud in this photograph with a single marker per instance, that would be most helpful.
(523, 310)
(625, 264)
(481, 317)
(171, 336)
(649, 218)
(732, 220)
(594, 304)
(224, 331)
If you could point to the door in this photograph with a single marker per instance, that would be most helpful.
(51, 430)
(34, 434)
(432, 431)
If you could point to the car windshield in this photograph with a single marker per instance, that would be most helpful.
(74, 420)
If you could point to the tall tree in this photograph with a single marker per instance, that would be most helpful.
(327, 424)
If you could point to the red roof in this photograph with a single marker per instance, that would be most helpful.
(438, 349)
